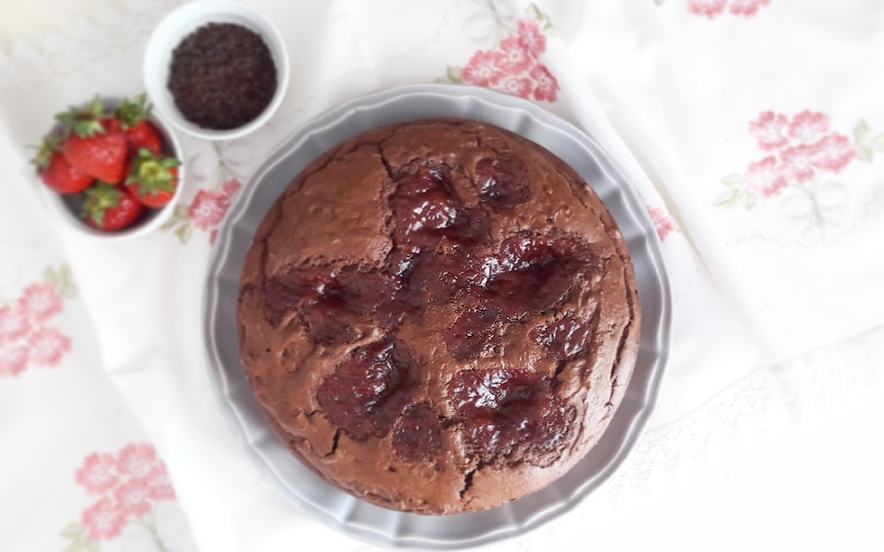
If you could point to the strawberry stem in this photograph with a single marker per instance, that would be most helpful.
(133, 111)
(153, 174)
(99, 199)
(85, 123)
(43, 157)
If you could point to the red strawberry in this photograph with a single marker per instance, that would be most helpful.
(56, 172)
(153, 179)
(95, 144)
(133, 115)
(144, 135)
(110, 208)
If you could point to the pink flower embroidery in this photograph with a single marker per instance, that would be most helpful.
(231, 187)
(159, 486)
(104, 520)
(765, 177)
(833, 153)
(547, 86)
(208, 209)
(517, 86)
(747, 8)
(707, 8)
(41, 301)
(513, 66)
(48, 345)
(808, 127)
(96, 474)
(662, 222)
(770, 130)
(485, 68)
(531, 38)
(133, 497)
(14, 323)
(13, 359)
(136, 460)
(515, 58)
(798, 162)
(129, 483)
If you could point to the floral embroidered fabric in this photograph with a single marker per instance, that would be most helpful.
(752, 132)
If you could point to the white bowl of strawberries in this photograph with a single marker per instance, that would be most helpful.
(111, 169)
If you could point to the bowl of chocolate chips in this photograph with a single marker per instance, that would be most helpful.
(216, 69)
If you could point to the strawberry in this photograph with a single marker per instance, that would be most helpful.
(140, 133)
(153, 179)
(94, 143)
(56, 172)
(110, 208)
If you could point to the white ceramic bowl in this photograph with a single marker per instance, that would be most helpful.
(65, 209)
(182, 22)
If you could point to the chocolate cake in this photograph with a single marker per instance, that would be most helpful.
(438, 316)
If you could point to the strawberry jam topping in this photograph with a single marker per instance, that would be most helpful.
(442, 252)
(509, 415)
(503, 182)
(427, 209)
(330, 301)
(367, 392)
(533, 274)
(563, 339)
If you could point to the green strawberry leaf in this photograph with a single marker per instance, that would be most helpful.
(99, 199)
(43, 157)
(85, 123)
(133, 111)
(153, 174)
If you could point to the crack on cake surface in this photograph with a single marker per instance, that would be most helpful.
(467, 482)
(334, 447)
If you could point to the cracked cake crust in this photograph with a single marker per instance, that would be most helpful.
(438, 316)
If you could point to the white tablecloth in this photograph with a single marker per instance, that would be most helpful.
(752, 130)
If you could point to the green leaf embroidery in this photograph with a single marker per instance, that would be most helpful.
(62, 280)
(184, 232)
(453, 74)
(73, 531)
(50, 276)
(735, 180)
(867, 142)
(536, 13)
(80, 541)
(179, 215)
(728, 199)
(749, 201)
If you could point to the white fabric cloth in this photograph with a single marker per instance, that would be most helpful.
(765, 432)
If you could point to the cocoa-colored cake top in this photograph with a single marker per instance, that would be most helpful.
(438, 316)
